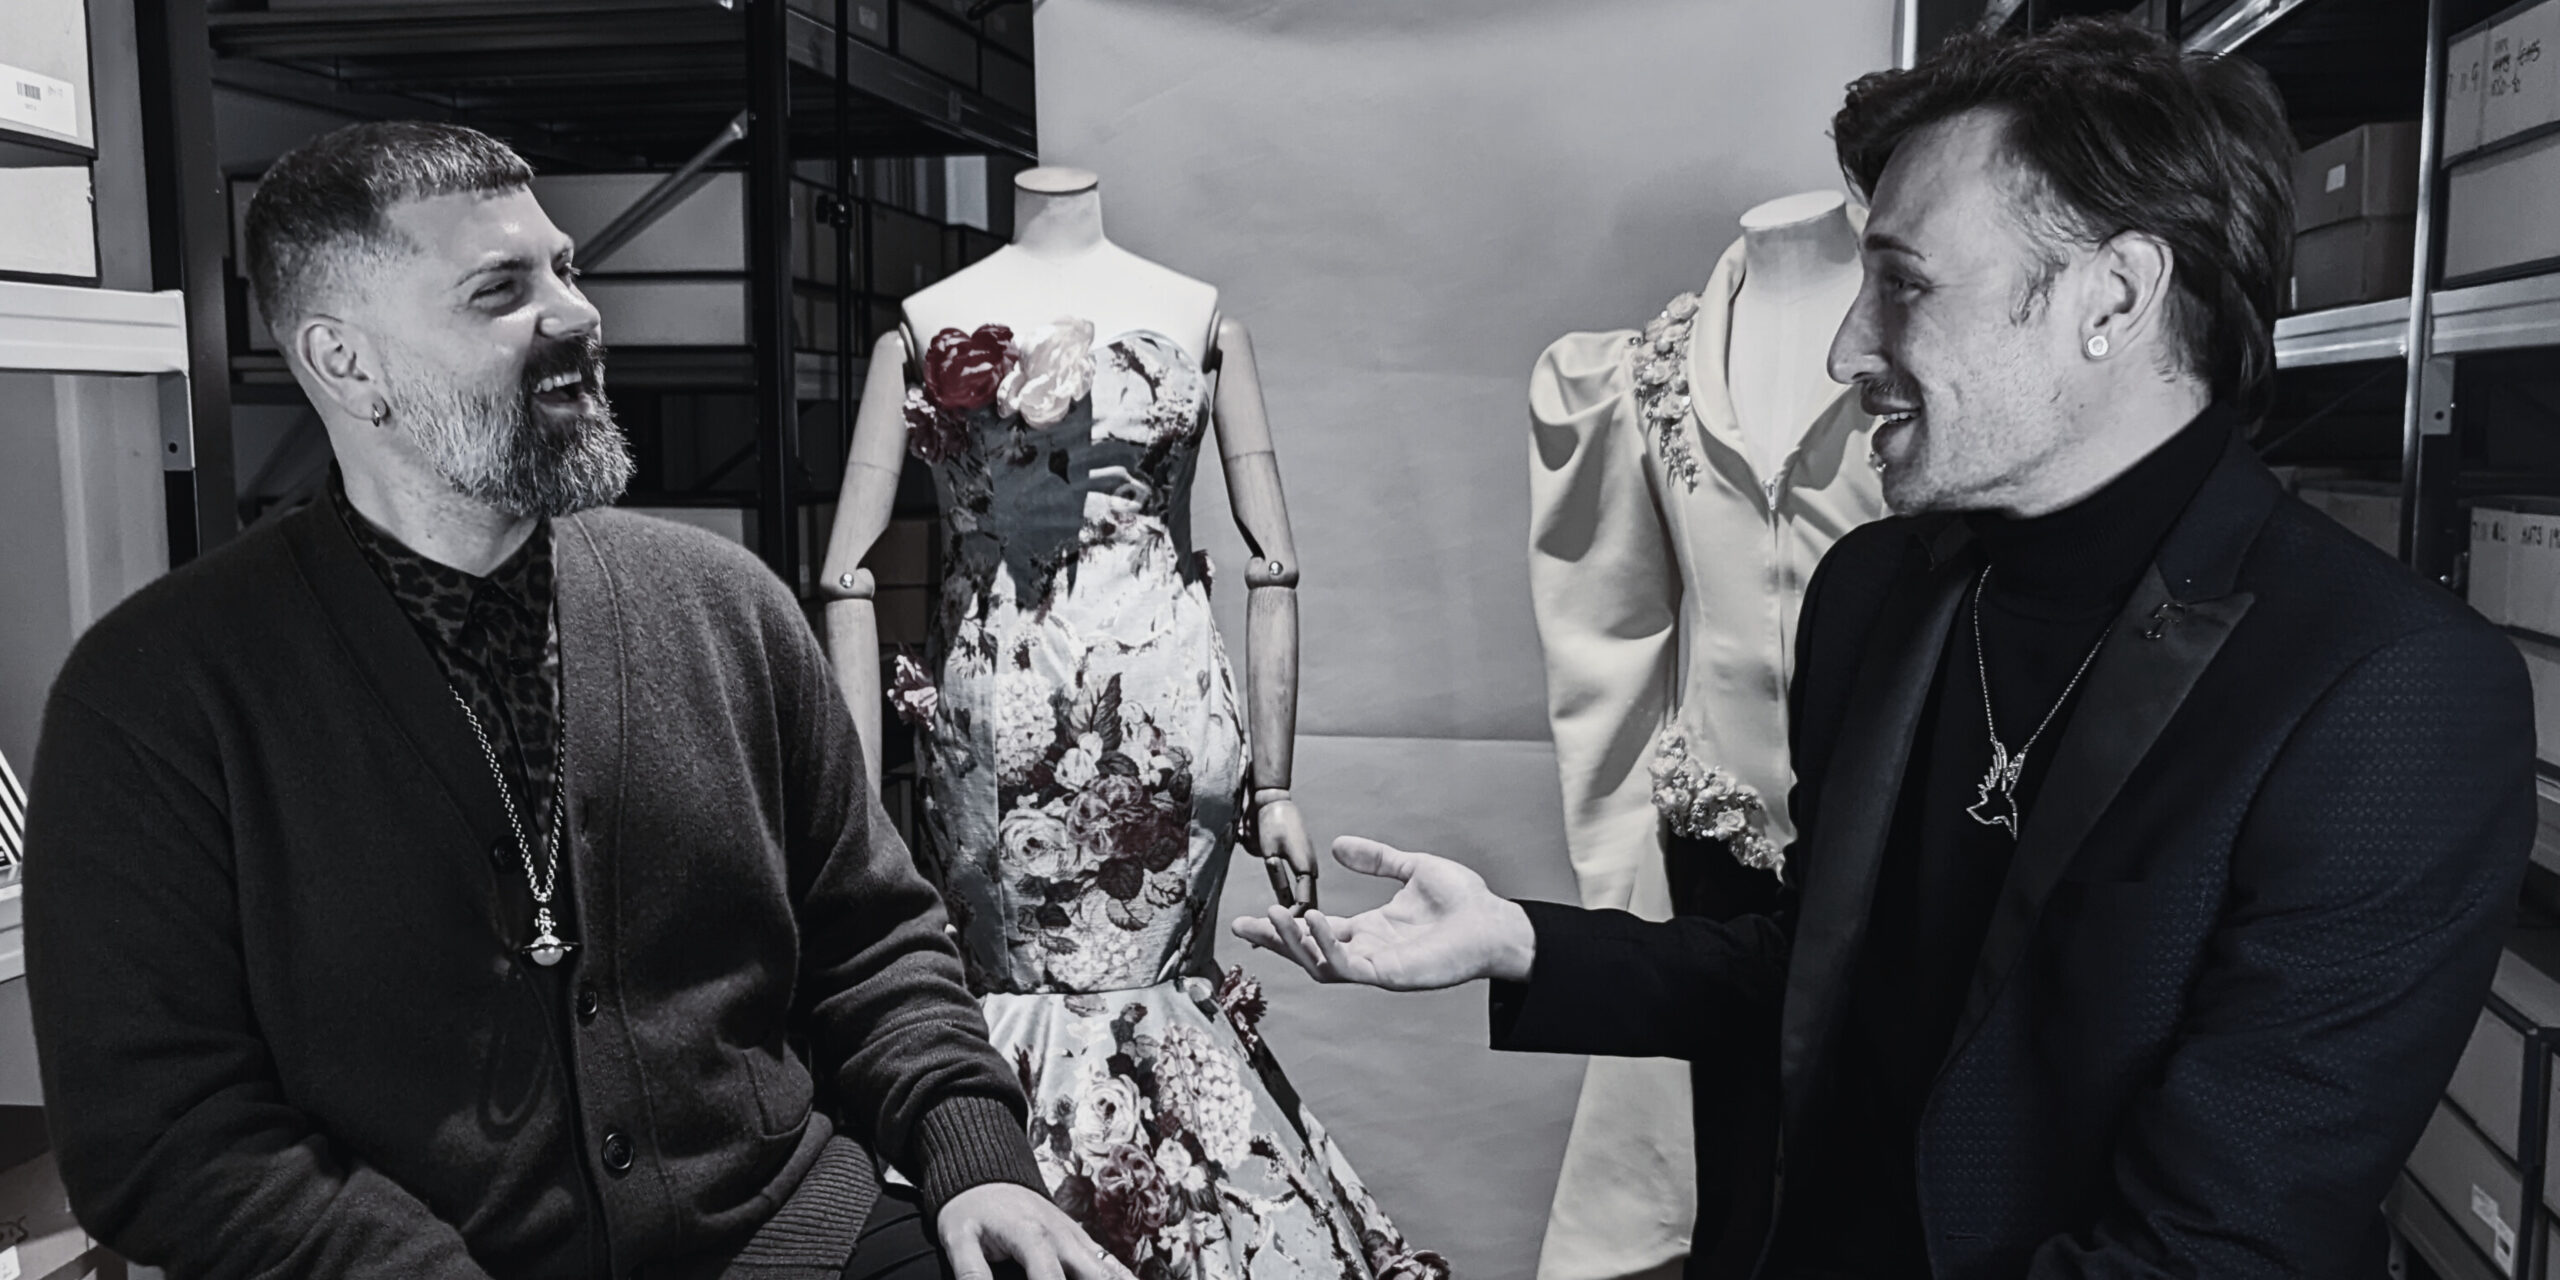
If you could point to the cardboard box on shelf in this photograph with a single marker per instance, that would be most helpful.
(640, 311)
(906, 252)
(938, 44)
(2359, 260)
(2492, 536)
(2370, 171)
(2532, 565)
(705, 230)
(32, 1197)
(2498, 211)
(51, 220)
(2482, 1190)
(2542, 667)
(2523, 88)
(2466, 76)
(2370, 509)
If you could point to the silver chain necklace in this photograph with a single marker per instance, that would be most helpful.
(2000, 782)
(548, 947)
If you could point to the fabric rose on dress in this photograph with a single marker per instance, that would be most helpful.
(962, 370)
(1181, 1172)
(911, 691)
(1036, 843)
(1055, 373)
(933, 433)
(1197, 1085)
(1107, 1115)
(1130, 1201)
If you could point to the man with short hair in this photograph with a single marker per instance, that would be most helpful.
(458, 878)
(2157, 834)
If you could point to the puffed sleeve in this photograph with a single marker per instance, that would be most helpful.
(1605, 588)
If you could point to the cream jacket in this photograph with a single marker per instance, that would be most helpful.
(1666, 577)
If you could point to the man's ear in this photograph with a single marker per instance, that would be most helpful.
(339, 366)
(2129, 277)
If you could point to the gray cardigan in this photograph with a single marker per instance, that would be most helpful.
(273, 920)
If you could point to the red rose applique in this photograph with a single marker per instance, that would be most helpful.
(962, 370)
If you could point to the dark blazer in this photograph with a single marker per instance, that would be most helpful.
(2247, 929)
(273, 918)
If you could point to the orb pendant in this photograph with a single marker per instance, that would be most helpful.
(547, 950)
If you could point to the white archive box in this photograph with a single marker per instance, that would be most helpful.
(2523, 88)
(2498, 210)
(2370, 509)
(2526, 564)
(2479, 1189)
(2466, 74)
(44, 72)
(51, 223)
(2542, 666)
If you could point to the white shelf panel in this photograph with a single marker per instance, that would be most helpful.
(2344, 335)
(2505, 316)
(52, 328)
(2240, 24)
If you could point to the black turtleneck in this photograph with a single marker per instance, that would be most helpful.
(2055, 584)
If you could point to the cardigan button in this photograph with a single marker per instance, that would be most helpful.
(498, 852)
(587, 1003)
(617, 1152)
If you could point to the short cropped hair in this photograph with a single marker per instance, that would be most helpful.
(2115, 130)
(327, 199)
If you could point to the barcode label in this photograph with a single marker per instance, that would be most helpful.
(39, 102)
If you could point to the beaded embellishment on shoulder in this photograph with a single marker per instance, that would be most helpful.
(1659, 358)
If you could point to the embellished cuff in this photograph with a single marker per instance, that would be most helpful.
(966, 1142)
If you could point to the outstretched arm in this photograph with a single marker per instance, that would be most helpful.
(1271, 615)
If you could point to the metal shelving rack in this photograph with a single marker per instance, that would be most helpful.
(614, 85)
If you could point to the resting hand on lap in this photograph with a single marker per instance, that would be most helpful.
(1442, 928)
(1002, 1222)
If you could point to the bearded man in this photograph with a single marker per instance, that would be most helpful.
(458, 878)
(2156, 835)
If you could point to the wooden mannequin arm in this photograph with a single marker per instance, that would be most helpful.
(1271, 617)
(863, 507)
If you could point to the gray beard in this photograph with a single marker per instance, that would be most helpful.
(490, 450)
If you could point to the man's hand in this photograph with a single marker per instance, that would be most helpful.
(1442, 928)
(1002, 1222)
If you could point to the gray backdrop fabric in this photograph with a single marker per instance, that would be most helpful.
(1406, 201)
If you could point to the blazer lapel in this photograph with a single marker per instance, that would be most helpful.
(384, 646)
(1860, 788)
(2169, 631)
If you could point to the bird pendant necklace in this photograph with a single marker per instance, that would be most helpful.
(1996, 798)
(548, 948)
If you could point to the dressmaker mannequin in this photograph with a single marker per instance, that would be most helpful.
(1801, 272)
(1061, 264)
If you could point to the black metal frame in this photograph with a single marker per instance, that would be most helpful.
(190, 240)
(600, 84)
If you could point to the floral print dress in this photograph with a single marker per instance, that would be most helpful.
(1083, 767)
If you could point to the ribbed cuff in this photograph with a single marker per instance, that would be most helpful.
(966, 1142)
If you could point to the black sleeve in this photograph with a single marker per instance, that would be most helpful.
(176, 1141)
(2371, 885)
(891, 1022)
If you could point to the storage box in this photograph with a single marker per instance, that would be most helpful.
(2370, 509)
(2498, 211)
(32, 1197)
(44, 74)
(2542, 667)
(2480, 1190)
(728, 522)
(48, 222)
(2367, 172)
(937, 44)
(705, 230)
(2531, 588)
(2488, 1084)
(2523, 87)
(2466, 77)
(2359, 260)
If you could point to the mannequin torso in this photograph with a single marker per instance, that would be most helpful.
(1060, 264)
(1801, 273)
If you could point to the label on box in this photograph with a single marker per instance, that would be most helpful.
(2519, 94)
(2487, 581)
(2337, 180)
(31, 100)
(2533, 573)
(2466, 75)
(2485, 1207)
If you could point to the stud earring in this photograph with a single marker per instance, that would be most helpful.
(2097, 346)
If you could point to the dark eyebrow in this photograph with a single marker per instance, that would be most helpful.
(1879, 242)
(515, 262)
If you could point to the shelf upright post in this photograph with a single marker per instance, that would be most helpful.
(841, 218)
(190, 238)
(2429, 454)
(769, 288)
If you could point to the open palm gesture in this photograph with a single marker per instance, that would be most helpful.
(1443, 927)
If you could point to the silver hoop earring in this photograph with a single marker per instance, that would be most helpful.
(2097, 346)
(1876, 460)
(381, 412)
